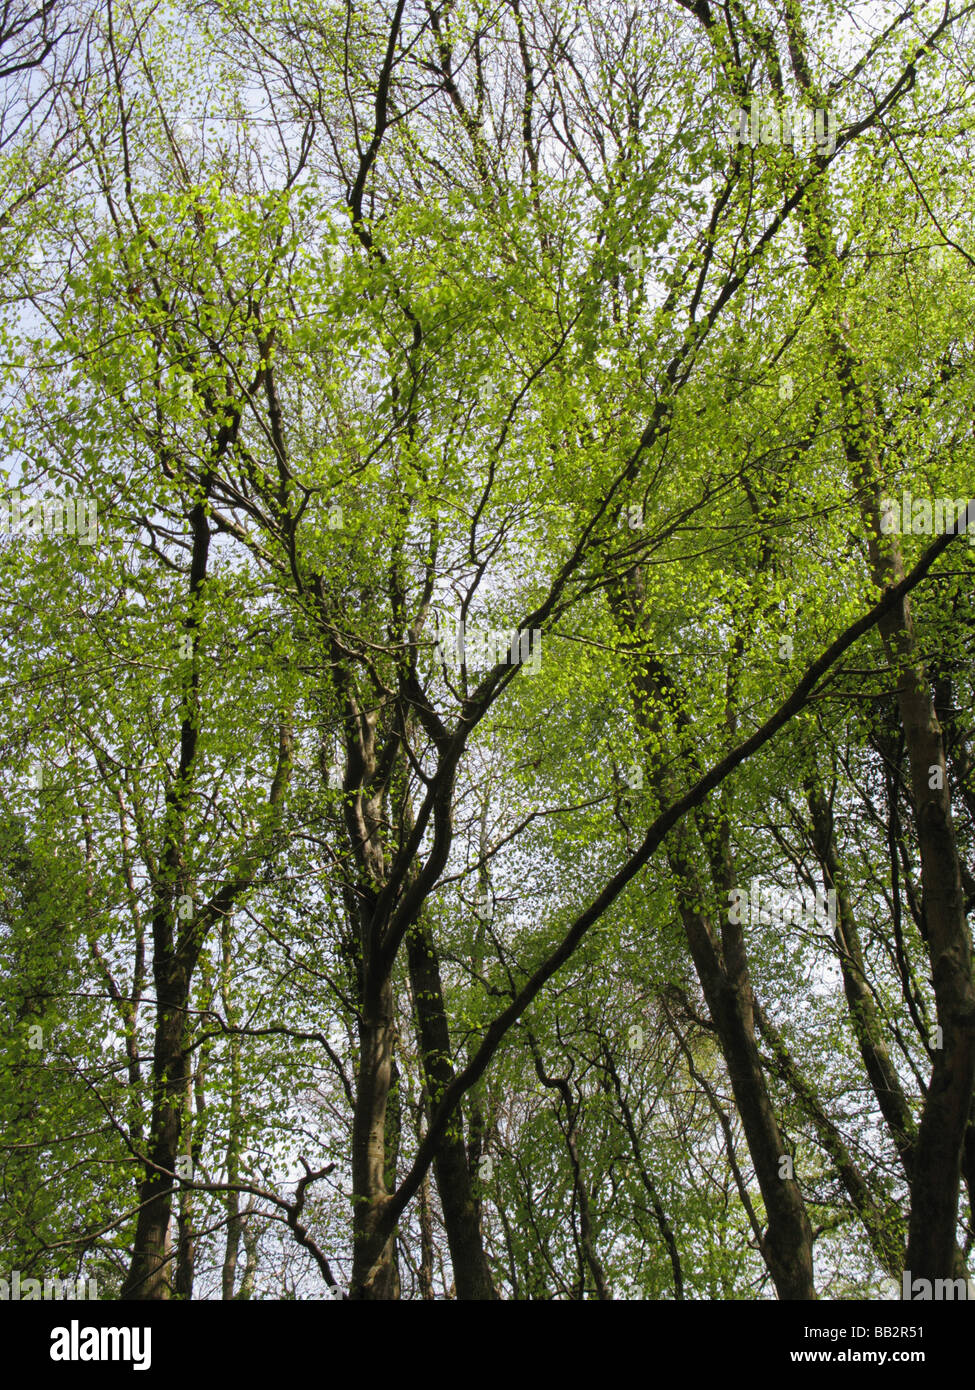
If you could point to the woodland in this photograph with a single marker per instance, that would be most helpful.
(487, 726)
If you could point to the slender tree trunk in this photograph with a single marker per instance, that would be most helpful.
(723, 973)
(228, 1273)
(185, 1248)
(663, 1224)
(586, 1236)
(886, 1084)
(426, 1241)
(722, 968)
(249, 1236)
(883, 1225)
(186, 1242)
(962, 767)
(586, 1244)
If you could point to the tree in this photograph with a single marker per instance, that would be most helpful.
(443, 421)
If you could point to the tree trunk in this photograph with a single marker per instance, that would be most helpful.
(472, 1276)
(882, 1224)
(426, 1241)
(722, 968)
(787, 1243)
(884, 1080)
(374, 1270)
(944, 1120)
(186, 1242)
(148, 1277)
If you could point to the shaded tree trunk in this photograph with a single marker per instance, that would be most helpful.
(148, 1276)
(472, 1277)
(722, 968)
(374, 1271)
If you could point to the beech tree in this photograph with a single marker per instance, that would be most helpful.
(495, 621)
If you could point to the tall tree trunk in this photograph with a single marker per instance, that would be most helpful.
(944, 1120)
(249, 1236)
(722, 968)
(172, 966)
(148, 1276)
(723, 972)
(426, 1240)
(472, 1277)
(884, 1080)
(374, 1271)
(881, 1223)
(186, 1242)
(228, 1273)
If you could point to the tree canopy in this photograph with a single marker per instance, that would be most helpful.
(489, 798)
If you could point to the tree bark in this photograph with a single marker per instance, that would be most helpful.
(723, 973)
(374, 1271)
(148, 1277)
(472, 1276)
(722, 968)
